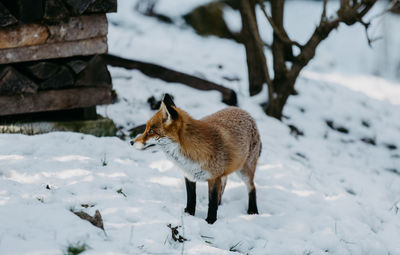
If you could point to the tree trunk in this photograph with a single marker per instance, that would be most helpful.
(275, 109)
(250, 37)
(278, 47)
(282, 85)
(284, 88)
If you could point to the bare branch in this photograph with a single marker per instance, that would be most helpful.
(366, 9)
(347, 14)
(281, 34)
(367, 24)
(323, 14)
(369, 39)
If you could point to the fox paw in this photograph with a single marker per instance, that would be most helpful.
(252, 211)
(211, 220)
(189, 211)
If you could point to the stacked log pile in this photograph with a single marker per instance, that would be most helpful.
(50, 55)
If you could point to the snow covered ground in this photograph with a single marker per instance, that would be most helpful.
(325, 192)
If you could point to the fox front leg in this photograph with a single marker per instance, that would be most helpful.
(191, 197)
(214, 193)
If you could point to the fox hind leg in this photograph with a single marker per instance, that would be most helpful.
(252, 202)
(247, 177)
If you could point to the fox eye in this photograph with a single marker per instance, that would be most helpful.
(151, 132)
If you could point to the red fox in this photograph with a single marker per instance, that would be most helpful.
(208, 149)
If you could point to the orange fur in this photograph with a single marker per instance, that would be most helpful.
(208, 149)
(202, 140)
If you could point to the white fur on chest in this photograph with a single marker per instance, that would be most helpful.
(192, 170)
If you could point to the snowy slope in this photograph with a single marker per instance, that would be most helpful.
(322, 193)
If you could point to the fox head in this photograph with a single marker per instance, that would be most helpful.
(166, 122)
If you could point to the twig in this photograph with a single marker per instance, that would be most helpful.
(233, 248)
(369, 39)
(345, 14)
(367, 24)
(175, 234)
(281, 34)
(323, 14)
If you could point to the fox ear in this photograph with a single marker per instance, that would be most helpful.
(166, 106)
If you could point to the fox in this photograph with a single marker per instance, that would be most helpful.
(206, 150)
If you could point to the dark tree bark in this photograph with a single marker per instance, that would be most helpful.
(250, 37)
(283, 82)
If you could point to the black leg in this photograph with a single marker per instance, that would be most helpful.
(191, 197)
(214, 190)
(252, 202)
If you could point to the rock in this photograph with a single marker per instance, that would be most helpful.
(368, 140)
(390, 146)
(208, 20)
(154, 103)
(336, 127)
(294, 131)
(365, 123)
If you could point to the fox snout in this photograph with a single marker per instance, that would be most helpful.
(140, 143)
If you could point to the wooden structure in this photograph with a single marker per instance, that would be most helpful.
(50, 55)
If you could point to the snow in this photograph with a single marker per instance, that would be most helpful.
(322, 193)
